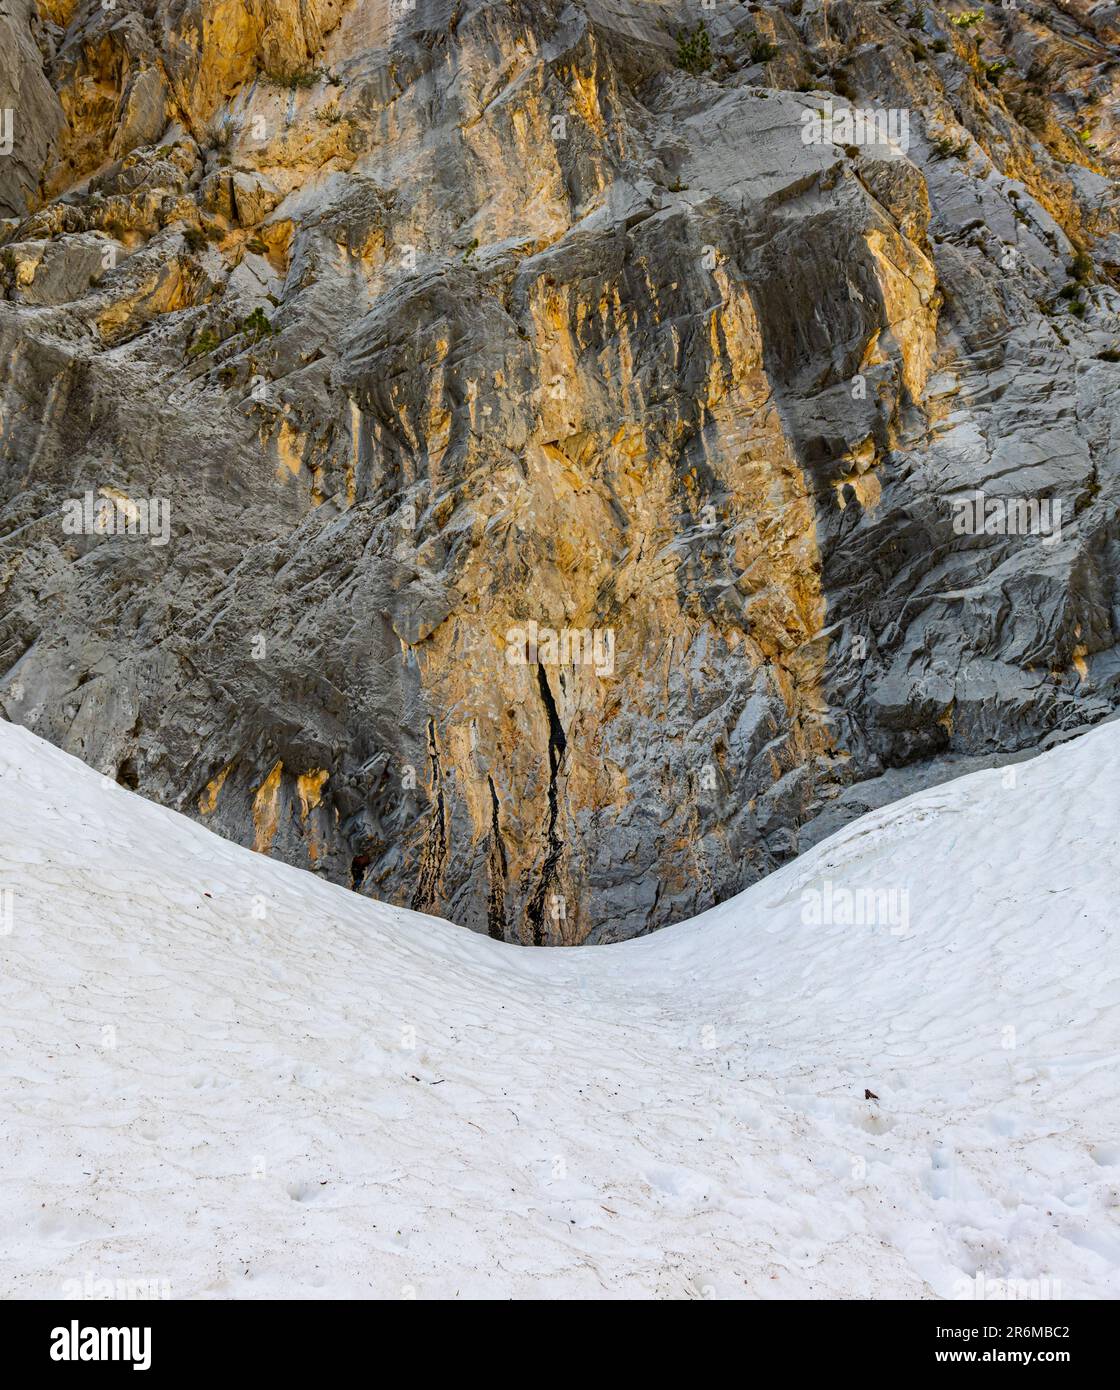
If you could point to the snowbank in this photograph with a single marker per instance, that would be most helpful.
(231, 1079)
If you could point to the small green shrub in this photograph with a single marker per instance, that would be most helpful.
(946, 149)
(761, 50)
(283, 77)
(694, 49)
(842, 86)
(204, 344)
(257, 325)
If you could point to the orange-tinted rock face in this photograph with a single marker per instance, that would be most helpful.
(561, 419)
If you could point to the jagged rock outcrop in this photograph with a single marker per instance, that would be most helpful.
(430, 327)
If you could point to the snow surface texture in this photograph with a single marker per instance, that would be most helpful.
(226, 1074)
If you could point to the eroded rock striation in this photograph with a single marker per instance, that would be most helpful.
(511, 458)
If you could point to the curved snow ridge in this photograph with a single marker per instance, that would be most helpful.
(232, 1079)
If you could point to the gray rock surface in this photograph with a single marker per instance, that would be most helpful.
(438, 325)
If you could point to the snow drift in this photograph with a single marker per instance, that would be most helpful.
(890, 1069)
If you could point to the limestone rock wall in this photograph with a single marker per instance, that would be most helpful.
(435, 329)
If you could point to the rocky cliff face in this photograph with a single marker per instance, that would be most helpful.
(510, 458)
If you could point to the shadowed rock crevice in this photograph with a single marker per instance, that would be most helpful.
(498, 870)
(549, 873)
(434, 853)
